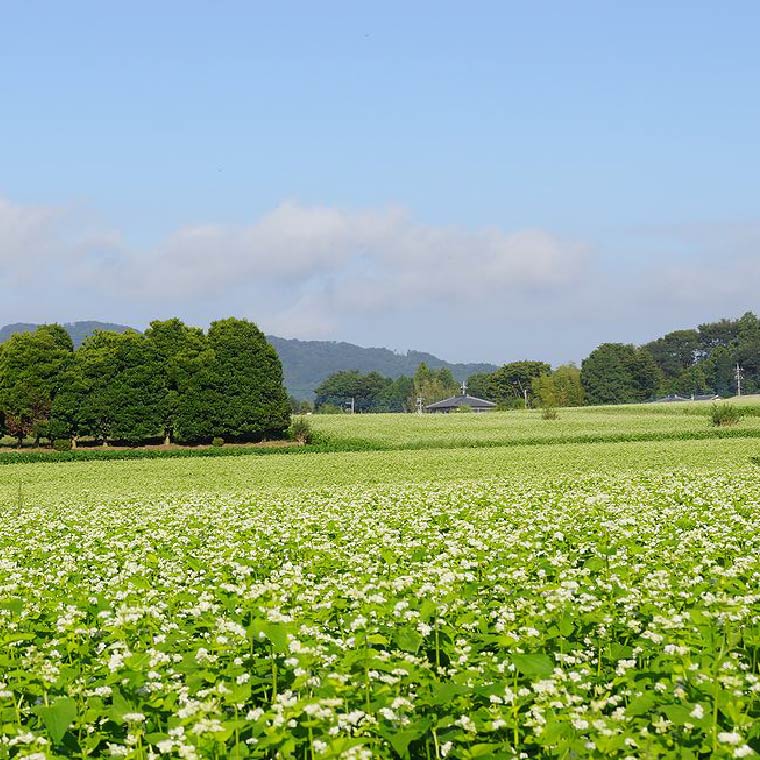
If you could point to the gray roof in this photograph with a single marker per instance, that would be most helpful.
(456, 401)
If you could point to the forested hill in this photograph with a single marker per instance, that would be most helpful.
(77, 330)
(306, 363)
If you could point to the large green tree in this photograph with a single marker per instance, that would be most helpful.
(675, 352)
(512, 384)
(178, 349)
(32, 370)
(233, 388)
(116, 390)
(618, 373)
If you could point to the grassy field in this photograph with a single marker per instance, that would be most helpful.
(550, 600)
(527, 426)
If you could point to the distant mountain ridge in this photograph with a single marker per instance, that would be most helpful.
(305, 363)
(77, 330)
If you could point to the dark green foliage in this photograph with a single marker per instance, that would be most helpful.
(676, 352)
(62, 444)
(32, 365)
(178, 349)
(217, 442)
(233, 387)
(129, 388)
(616, 373)
(725, 415)
(371, 393)
(507, 386)
(115, 389)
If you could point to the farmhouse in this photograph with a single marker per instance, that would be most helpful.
(459, 402)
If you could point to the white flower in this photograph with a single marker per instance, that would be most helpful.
(729, 737)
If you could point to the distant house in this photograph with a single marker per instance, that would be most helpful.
(460, 402)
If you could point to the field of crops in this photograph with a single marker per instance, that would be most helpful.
(550, 601)
(500, 428)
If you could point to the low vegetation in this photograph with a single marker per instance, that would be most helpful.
(725, 415)
(439, 611)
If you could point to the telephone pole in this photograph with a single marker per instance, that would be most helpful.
(739, 378)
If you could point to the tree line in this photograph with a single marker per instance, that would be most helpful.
(173, 383)
(685, 362)
(510, 386)
(372, 392)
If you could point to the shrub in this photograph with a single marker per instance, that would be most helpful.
(463, 409)
(549, 413)
(218, 442)
(725, 415)
(62, 444)
(300, 431)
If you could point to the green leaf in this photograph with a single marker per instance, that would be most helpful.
(408, 639)
(57, 717)
(278, 635)
(533, 664)
(14, 604)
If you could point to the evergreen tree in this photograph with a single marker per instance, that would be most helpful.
(176, 347)
(233, 389)
(32, 367)
(617, 373)
(116, 389)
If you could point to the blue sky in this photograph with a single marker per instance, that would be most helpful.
(490, 181)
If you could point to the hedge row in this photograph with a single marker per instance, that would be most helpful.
(88, 455)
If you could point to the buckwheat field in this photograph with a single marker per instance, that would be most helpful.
(556, 600)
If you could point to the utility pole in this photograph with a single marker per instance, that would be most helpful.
(419, 404)
(351, 405)
(464, 387)
(739, 378)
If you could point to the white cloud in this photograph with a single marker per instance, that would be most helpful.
(373, 276)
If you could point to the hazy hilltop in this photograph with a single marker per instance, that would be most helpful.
(77, 330)
(305, 363)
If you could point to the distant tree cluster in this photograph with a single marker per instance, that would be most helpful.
(683, 362)
(374, 393)
(371, 393)
(174, 383)
(514, 384)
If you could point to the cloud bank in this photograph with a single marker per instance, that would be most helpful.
(374, 276)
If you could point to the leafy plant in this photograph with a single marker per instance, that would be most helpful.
(725, 415)
(300, 430)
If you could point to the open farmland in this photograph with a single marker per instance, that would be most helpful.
(552, 600)
(590, 424)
